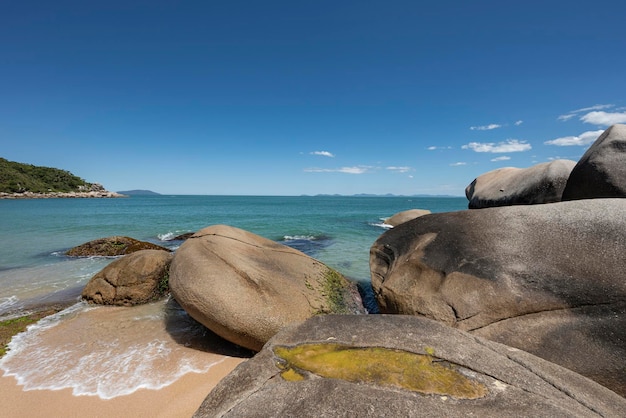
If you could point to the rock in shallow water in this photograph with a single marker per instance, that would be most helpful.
(112, 247)
(245, 288)
(405, 216)
(301, 372)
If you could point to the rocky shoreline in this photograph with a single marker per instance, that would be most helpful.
(64, 195)
(487, 311)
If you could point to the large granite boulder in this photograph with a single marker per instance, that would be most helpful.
(601, 171)
(137, 278)
(245, 288)
(400, 366)
(404, 216)
(112, 247)
(548, 279)
(541, 183)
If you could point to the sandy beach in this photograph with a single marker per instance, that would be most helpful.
(180, 399)
(147, 361)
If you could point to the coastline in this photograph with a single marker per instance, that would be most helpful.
(63, 195)
(181, 398)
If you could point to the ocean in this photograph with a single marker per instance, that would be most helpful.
(111, 351)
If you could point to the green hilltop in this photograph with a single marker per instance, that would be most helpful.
(20, 178)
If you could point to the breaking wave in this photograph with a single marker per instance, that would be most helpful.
(308, 244)
(381, 224)
(103, 351)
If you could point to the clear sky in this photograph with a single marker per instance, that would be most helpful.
(306, 97)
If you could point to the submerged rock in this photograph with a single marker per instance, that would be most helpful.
(183, 237)
(137, 278)
(601, 171)
(245, 288)
(541, 183)
(548, 279)
(112, 247)
(399, 366)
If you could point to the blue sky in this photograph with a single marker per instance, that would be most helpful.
(306, 97)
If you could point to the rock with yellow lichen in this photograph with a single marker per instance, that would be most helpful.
(399, 366)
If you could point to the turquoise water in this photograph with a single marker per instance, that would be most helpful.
(113, 351)
(35, 233)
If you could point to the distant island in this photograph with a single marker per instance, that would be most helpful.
(19, 180)
(139, 193)
(386, 195)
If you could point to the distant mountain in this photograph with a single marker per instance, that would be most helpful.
(390, 195)
(20, 178)
(140, 193)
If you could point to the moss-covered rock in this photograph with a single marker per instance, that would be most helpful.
(400, 366)
(379, 366)
(245, 288)
(112, 247)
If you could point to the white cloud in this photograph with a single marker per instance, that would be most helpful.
(585, 138)
(566, 117)
(485, 127)
(510, 145)
(432, 148)
(574, 113)
(503, 158)
(322, 153)
(519, 122)
(347, 170)
(399, 169)
(594, 107)
(353, 170)
(604, 118)
(460, 163)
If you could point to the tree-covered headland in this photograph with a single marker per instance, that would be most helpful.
(19, 178)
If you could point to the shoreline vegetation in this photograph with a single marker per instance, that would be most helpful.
(27, 181)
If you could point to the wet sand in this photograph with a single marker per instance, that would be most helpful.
(180, 399)
(98, 361)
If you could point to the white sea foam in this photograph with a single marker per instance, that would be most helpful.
(167, 236)
(104, 351)
(381, 225)
(299, 237)
(170, 235)
(9, 303)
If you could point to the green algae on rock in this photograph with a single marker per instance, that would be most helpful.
(112, 247)
(10, 327)
(386, 367)
(333, 286)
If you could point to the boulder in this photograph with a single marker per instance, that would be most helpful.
(245, 288)
(601, 171)
(399, 366)
(112, 247)
(548, 279)
(541, 183)
(134, 279)
(404, 216)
